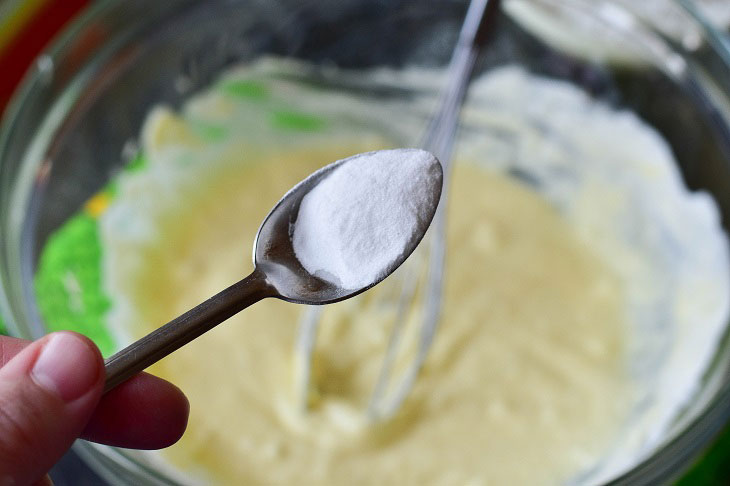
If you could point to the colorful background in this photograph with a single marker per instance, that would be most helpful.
(26, 28)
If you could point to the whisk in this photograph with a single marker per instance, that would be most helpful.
(389, 394)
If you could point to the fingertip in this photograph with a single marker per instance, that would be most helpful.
(69, 365)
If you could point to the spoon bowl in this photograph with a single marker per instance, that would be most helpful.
(274, 255)
(277, 273)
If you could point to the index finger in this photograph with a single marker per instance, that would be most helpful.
(9, 347)
(145, 412)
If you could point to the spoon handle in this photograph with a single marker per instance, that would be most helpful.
(183, 329)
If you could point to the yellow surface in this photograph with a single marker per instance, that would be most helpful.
(524, 384)
(15, 18)
(97, 204)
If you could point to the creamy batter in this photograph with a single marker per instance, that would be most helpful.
(534, 374)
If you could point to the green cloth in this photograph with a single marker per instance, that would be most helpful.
(68, 282)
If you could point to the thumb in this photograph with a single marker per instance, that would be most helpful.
(48, 392)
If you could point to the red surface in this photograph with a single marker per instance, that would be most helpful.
(31, 40)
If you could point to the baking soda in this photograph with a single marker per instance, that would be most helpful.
(358, 221)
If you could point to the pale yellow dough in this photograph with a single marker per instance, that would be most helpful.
(525, 383)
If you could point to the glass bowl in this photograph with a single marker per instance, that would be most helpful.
(76, 120)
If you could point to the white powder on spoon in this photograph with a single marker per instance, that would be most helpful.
(358, 221)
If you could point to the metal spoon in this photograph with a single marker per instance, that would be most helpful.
(277, 273)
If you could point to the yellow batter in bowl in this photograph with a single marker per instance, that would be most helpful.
(528, 357)
(529, 380)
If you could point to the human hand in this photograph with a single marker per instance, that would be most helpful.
(51, 394)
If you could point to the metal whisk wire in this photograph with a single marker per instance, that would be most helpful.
(438, 139)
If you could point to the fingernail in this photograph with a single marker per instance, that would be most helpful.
(66, 366)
